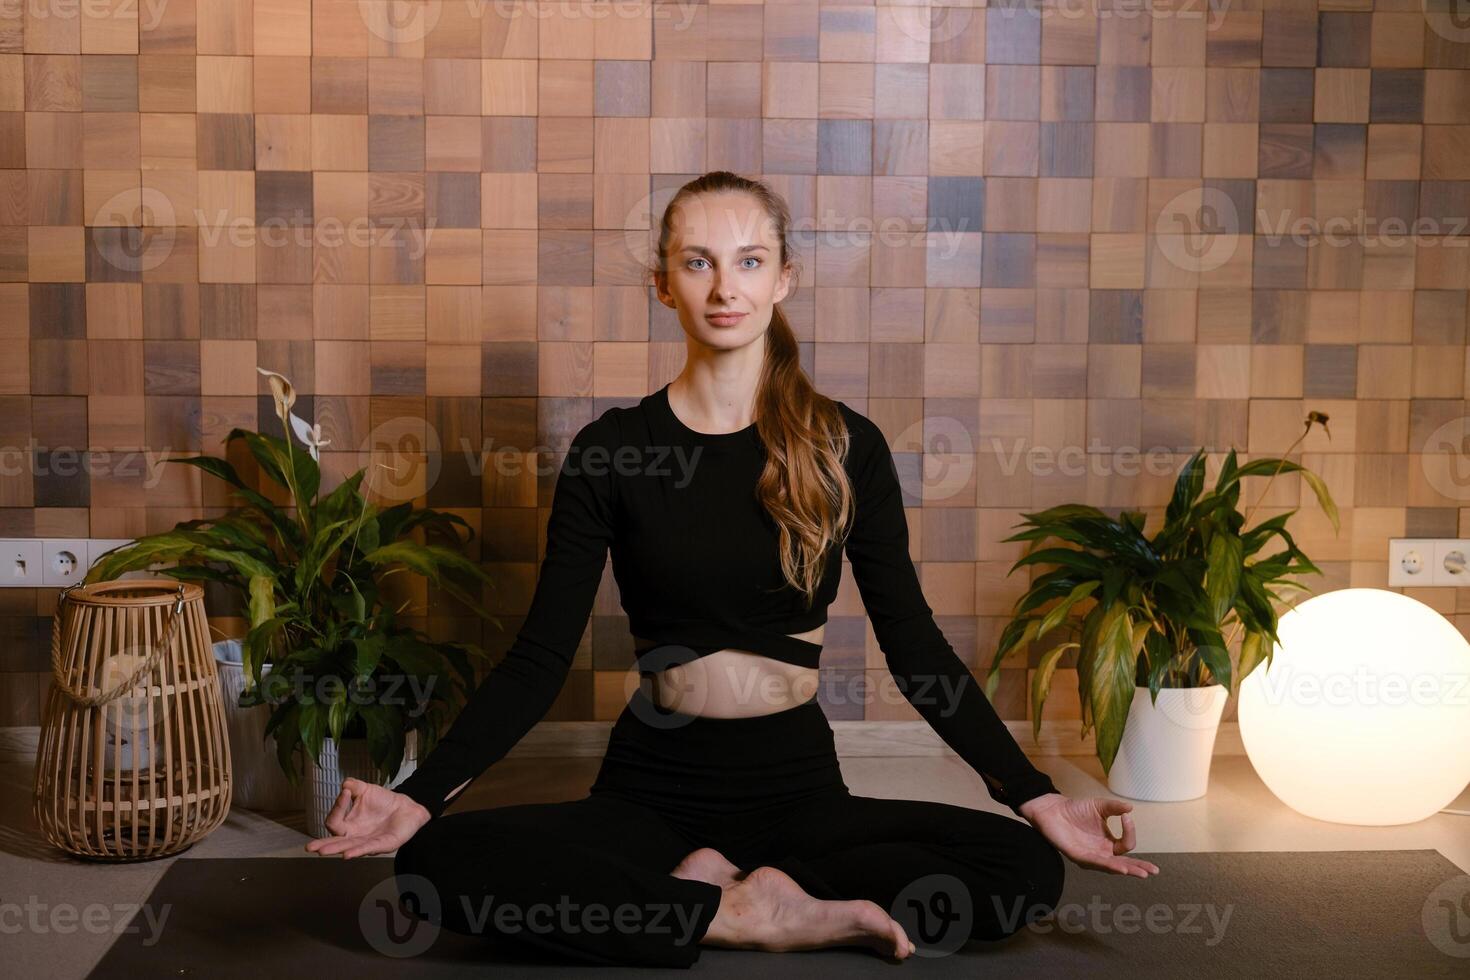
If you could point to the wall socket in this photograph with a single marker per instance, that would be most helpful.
(33, 563)
(1429, 561)
(20, 564)
(63, 561)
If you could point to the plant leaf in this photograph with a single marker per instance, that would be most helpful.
(1041, 683)
(1112, 681)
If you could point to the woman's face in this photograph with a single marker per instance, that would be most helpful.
(724, 256)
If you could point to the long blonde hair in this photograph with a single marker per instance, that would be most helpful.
(803, 486)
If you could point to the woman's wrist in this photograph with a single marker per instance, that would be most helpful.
(416, 807)
(1029, 808)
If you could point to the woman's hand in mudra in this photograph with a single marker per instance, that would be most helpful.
(1079, 829)
(369, 819)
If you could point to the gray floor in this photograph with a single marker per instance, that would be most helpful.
(1238, 814)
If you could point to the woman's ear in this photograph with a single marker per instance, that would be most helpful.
(783, 285)
(661, 288)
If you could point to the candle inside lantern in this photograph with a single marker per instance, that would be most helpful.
(130, 719)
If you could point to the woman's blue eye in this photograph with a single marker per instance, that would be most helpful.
(748, 258)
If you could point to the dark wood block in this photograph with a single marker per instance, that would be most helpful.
(1284, 151)
(58, 310)
(956, 204)
(395, 142)
(1330, 371)
(1396, 95)
(844, 146)
(509, 144)
(171, 311)
(1339, 151)
(1286, 95)
(1343, 38)
(1396, 200)
(227, 311)
(115, 254)
(170, 367)
(1288, 38)
(1279, 262)
(1066, 149)
(1278, 316)
(452, 200)
(506, 368)
(339, 86)
(1008, 260)
(1123, 93)
(225, 141)
(283, 198)
(1439, 317)
(49, 197)
(110, 83)
(622, 88)
(1115, 316)
(1012, 33)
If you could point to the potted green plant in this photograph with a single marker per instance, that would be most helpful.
(1147, 617)
(364, 692)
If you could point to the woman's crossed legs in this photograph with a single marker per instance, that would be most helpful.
(594, 878)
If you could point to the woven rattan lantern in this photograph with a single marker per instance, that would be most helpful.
(133, 761)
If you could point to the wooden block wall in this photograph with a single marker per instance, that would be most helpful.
(1036, 238)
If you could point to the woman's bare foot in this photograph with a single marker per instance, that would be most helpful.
(767, 910)
(708, 865)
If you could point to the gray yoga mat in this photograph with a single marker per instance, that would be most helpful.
(1403, 913)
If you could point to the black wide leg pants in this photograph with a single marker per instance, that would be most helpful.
(589, 879)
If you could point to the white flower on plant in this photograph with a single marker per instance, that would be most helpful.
(285, 396)
(281, 390)
(311, 435)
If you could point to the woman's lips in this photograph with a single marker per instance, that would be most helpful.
(726, 320)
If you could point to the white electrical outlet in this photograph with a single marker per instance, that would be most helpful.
(63, 560)
(1451, 562)
(1429, 561)
(20, 563)
(1410, 561)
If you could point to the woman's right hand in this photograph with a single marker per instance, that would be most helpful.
(369, 819)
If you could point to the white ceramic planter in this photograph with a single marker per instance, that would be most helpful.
(1166, 749)
(260, 783)
(350, 758)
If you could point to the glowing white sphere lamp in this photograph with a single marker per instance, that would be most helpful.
(1363, 717)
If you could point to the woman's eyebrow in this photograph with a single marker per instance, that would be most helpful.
(701, 250)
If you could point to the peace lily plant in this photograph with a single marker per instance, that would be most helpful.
(310, 574)
(1151, 611)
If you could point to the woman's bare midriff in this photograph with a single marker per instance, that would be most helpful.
(732, 683)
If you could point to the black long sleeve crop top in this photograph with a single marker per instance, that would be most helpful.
(696, 561)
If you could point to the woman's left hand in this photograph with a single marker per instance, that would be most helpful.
(1079, 829)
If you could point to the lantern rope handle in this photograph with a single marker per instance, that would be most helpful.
(106, 697)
